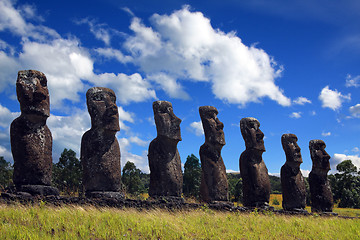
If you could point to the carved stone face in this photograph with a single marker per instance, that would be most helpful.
(319, 156)
(102, 108)
(253, 136)
(32, 93)
(292, 149)
(167, 124)
(213, 128)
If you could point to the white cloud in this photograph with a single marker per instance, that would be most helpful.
(301, 101)
(326, 134)
(332, 99)
(197, 128)
(140, 161)
(64, 64)
(11, 19)
(100, 31)
(232, 171)
(125, 116)
(114, 53)
(67, 131)
(8, 70)
(169, 85)
(355, 149)
(355, 110)
(184, 46)
(6, 153)
(305, 173)
(338, 158)
(313, 113)
(6, 116)
(296, 115)
(275, 174)
(352, 81)
(128, 88)
(138, 141)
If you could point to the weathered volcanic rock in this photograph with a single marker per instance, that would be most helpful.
(214, 184)
(320, 190)
(256, 182)
(100, 151)
(31, 140)
(164, 160)
(292, 181)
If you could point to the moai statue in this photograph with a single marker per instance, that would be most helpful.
(100, 151)
(166, 178)
(320, 190)
(256, 182)
(292, 181)
(214, 184)
(31, 140)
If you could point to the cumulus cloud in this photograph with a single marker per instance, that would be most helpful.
(355, 110)
(11, 19)
(138, 141)
(184, 46)
(296, 115)
(128, 88)
(332, 98)
(140, 161)
(100, 31)
(125, 116)
(67, 131)
(326, 134)
(352, 81)
(114, 53)
(197, 128)
(338, 158)
(64, 64)
(305, 172)
(301, 101)
(6, 116)
(169, 85)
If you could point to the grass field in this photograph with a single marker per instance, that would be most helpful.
(74, 222)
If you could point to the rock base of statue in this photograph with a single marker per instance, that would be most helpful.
(42, 190)
(99, 194)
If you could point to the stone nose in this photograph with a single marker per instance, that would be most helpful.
(40, 92)
(219, 124)
(177, 120)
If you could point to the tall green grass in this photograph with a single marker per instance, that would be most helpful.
(74, 222)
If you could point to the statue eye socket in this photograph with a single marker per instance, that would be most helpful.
(43, 82)
(98, 97)
(112, 98)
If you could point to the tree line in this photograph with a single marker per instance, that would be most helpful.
(67, 177)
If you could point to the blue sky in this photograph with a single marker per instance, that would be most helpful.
(293, 65)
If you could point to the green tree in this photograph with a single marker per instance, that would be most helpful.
(67, 173)
(345, 185)
(192, 176)
(275, 183)
(131, 178)
(235, 187)
(6, 172)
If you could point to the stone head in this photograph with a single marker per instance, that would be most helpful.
(213, 128)
(319, 156)
(101, 103)
(32, 93)
(292, 149)
(167, 124)
(253, 136)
